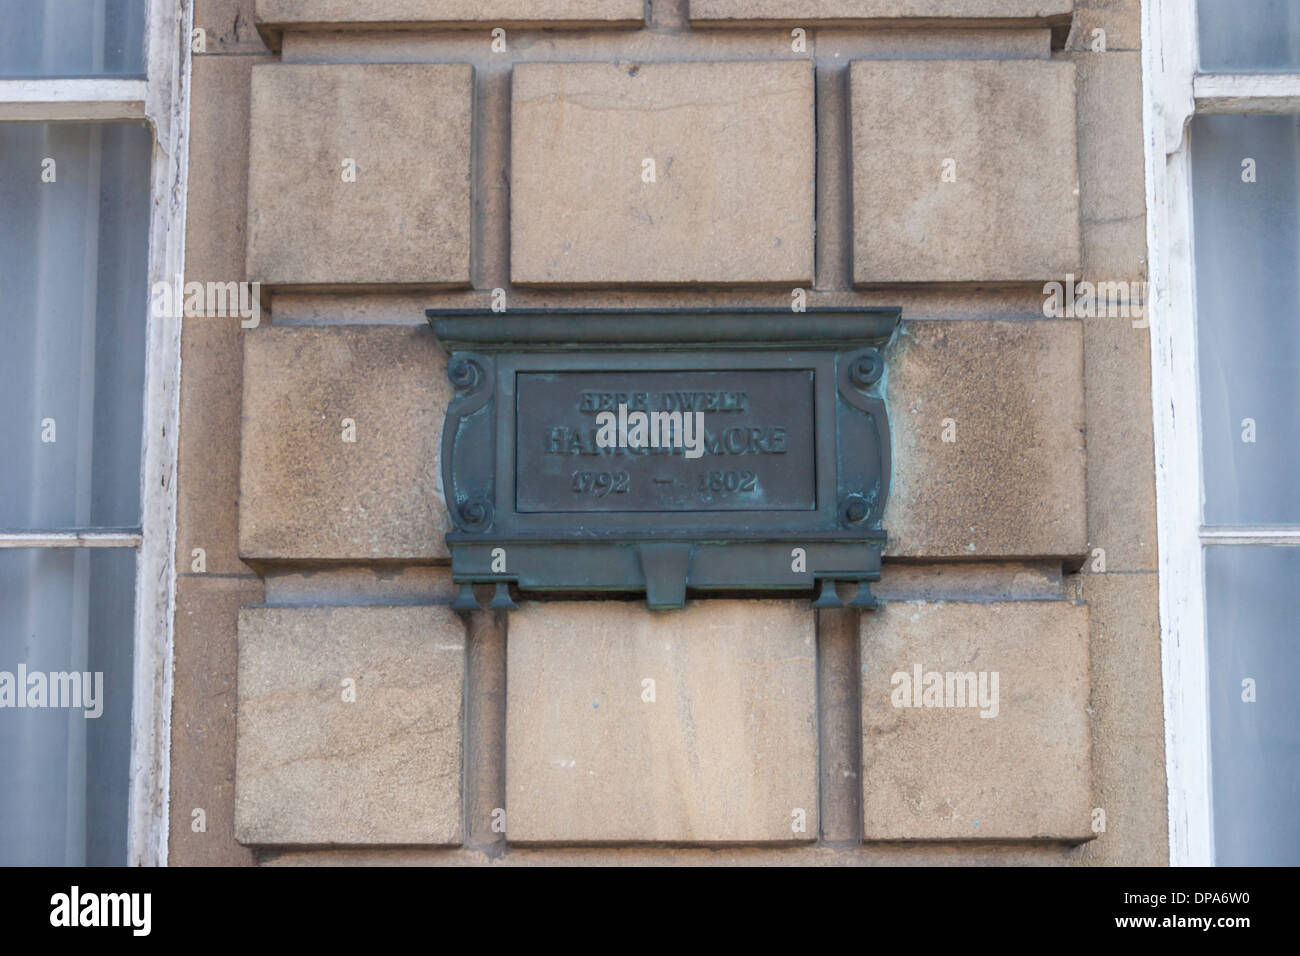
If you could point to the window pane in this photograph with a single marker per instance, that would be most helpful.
(45, 38)
(1240, 36)
(1247, 235)
(74, 256)
(66, 774)
(1253, 610)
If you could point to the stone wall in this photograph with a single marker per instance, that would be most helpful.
(951, 157)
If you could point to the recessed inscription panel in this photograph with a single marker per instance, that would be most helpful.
(740, 440)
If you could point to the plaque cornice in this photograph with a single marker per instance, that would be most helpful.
(460, 329)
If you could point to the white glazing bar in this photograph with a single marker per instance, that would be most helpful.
(64, 100)
(1247, 92)
(70, 539)
(1279, 535)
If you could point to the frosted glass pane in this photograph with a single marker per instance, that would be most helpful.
(74, 256)
(1253, 613)
(64, 796)
(1247, 237)
(1243, 36)
(44, 38)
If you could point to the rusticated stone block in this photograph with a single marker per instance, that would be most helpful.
(359, 174)
(340, 444)
(349, 725)
(988, 440)
(964, 171)
(693, 726)
(730, 200)
(730, 12)
(992, 742)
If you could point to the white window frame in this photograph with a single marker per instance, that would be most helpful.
(162, 99)
(1173, 92)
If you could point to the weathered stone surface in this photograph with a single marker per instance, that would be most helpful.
(733, 149)
(1112, 164)
(840, 725)
(725, 752)
(307, 492)
(316, 768)
(1112, 171)
(849, 11)
(820, 855)
(1119, 20)
(950, 773)
(973, 581)
(452, 12)
(405, 219)
(1121, 453)
(228, 27)
(212, 353)
(216, 203)
(1128, 738)
(276, 16)
(207, 496)
(1011, 481)
(358, 584)
(204, 663)
(964, 171)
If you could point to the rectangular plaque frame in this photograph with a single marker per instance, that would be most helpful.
(670, 551)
